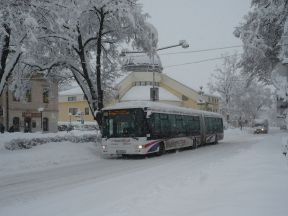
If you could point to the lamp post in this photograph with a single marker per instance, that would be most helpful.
(70, 115)
(183, 43)
(41, 109)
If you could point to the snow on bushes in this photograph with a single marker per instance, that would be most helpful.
(16, 144)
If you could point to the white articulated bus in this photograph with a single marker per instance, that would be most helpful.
(142, 128)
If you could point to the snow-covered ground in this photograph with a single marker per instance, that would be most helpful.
(245, 174)
(44, 156)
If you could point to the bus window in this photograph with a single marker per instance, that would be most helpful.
(172, 125)
(196, 125)
(213, 125)
(188, 125)
(124, 123)
(165, 125)
(219, 125)
(180, 130)
(208, 125)
(160, 125)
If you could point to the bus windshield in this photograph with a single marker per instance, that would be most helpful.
(124, 123)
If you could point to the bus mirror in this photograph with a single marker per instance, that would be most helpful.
(148, 113)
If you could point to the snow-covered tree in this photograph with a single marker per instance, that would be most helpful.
(14, 19)
(253, 100)
(261, 34)
(87, 40)
(20, 24)
(240, 98)
(224, 82)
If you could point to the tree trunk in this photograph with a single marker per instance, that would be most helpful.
(94, 96)
(98, 61)
(4, 56)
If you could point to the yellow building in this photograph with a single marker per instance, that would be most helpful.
(137, 86)
(73, 107)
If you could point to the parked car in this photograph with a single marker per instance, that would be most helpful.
(260, 126)
(64, 127)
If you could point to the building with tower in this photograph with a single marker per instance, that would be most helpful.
(146, 81)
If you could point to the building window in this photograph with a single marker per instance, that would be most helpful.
(45, 95)
(29, 95)
(27, 124)
(145, 83)
(86, 110)
(16, 124)
(184, 98)
(1, 111)
(72, 98)
(73, 111)
(45, 124)
(33, 124)
(16, 99)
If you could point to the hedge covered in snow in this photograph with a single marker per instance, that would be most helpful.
(16, 144)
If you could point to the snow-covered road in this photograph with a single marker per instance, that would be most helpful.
(245, 174)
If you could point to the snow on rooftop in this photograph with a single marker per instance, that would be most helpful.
(142, 62)
(143, 93)
(73, 91)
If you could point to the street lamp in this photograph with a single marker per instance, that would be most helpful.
(183, 43)
(41, 109)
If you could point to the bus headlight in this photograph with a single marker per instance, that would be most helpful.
(104, 147)
(140, 147)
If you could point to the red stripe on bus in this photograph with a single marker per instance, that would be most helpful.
(151, 143)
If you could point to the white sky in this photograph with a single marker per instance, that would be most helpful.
(204, 24)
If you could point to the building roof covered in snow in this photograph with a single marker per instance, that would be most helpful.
(72, 92)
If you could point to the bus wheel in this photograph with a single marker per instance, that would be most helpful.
(161, 149)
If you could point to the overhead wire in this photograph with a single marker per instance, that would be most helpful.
(201, 50)
(193, 51)
(190, 51)
(200, 61)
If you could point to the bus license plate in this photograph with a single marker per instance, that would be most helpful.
(121, 151)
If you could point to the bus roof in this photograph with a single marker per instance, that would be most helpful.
(160, 107)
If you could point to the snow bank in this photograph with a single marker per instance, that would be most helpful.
(20, 140)
(60, 149)
(29, 143)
